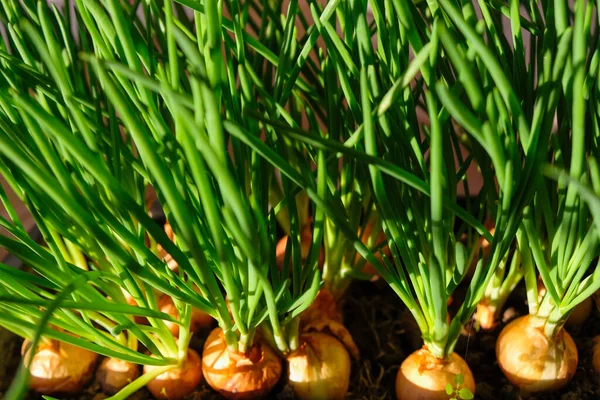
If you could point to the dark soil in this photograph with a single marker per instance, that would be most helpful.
(385, 334)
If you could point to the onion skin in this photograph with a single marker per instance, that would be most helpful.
(325, 315)
(200, 319)
(59, 367)
(423, 376)
(177, 383)
(239, 376)
(533, 362)
(319, 368)
(114, 374)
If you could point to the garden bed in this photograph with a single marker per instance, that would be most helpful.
(385, 334)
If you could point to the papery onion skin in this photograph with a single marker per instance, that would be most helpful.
(533, 362)
(423, 376)
(59, 367)
(239, 376)
(176, 383)
(319, 368)
(200, 319)
(113, 374)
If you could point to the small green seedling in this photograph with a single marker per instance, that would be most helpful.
(459, 392)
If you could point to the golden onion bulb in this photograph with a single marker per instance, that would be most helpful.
(200, 319)
(59, 367)
(179, 382)
(319, 368)
(239, 376)
(114, 374)
(533, 362)
(423, 376)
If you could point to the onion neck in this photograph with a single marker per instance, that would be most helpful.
(437, 348)
(294, 334)
(246, 341)
(277, 344)
(338, 250)
(550, 321)
(231, 339)
(555, 323)
(334, 281)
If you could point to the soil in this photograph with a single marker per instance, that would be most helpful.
(385, 334)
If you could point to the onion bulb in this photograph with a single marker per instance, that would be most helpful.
(179, 382)
(114, 374)
(532, 361)
(423, 376)
(200, 319)
(239, 376)
(596, 358)
(325, 315)
(59, 367)
(319, 368)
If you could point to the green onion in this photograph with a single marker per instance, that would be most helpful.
(82, 143)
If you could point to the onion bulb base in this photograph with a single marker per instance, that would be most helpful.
(423, 376)
(239, 376)
(533, 362)
(59, 367)
(319, 368)
(113, 374)
(176, 383)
